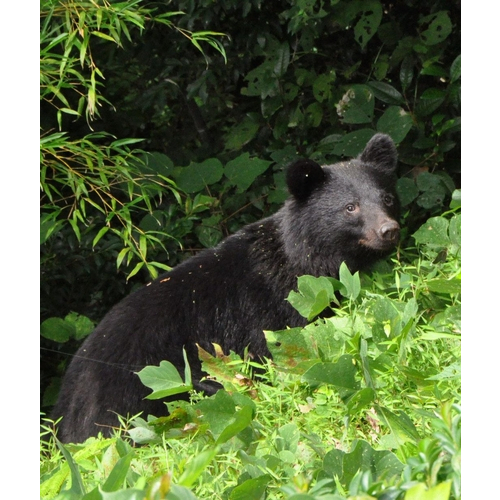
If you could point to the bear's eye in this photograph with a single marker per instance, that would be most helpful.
(350, 207)
(388, 199)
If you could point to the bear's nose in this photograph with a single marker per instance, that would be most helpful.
(389, 231)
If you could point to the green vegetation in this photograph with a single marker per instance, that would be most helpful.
(363, 404)
(219, 97)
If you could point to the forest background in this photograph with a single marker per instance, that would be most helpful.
(168, 108)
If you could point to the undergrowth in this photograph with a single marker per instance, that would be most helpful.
(361, 403)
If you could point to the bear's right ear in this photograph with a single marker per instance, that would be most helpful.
(302, 177)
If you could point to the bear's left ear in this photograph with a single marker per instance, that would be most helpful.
(381, 153)
(302, 177)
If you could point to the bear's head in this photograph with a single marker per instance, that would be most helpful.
(347, 211)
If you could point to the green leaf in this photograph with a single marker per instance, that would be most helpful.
(364, 457)
(369, 22)
(406, 72)
(57, 329)
(209, 232)
(401, 425)
(340, 374)
(99, 235)
(438, 27)
(322, 86)
(357, 105)
(197, 176)
(251, 489)
(83, 325)
(395, 122)
(407, 190)
(243, 170)
(344, 466)
(241, 134)
(359, 400)
(313, 296)
(282, 59)
(353, 143)
(386, 93)
(434, 232)
(118, 474)
(240, 421)
(77, 487)
(350, 281)
(444, 286)
(290, 348)
(455, 69)
(420, 492)
(164, 380)
(196, 466)
(429, 101)
(219, 411)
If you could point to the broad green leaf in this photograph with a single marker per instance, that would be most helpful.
(434, 233)
(395, 122)
(240, 421)
(196, 176)
(340, 374)
(353, 143)
(313, 296)
(437, 27)
(241, 134)
(217, 411)
(407, 190)
(251, 489)
(57, 329)
(357, 105)
(164, 380)
(444, 286)
(429, 101)
(369, 22)
(83, 325)
(360, 399)
(363, 457)
(290, 348)
(420, 492)
(322, 86)
(406, 72)
(221, 414)
(287, 438)
(209, 232)
(400, 425)
(243, 170)
(155, 163)
(386, 93)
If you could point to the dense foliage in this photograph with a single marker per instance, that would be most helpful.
(219, 97)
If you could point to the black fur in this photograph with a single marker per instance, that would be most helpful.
(230, 294)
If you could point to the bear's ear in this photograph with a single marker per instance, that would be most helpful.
(381, 153)
(302, 177)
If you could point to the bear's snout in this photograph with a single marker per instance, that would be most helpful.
(389, 231)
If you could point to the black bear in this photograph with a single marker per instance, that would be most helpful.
(229, 294)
